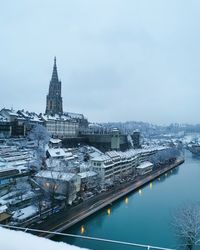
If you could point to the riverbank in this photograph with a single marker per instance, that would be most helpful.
(67, 218)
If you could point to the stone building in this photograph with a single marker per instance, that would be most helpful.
(59, 184)
(54, 99)
(15, 121)
(58, 123)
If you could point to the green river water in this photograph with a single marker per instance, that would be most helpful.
(144, 216)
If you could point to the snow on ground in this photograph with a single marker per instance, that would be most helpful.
(13, 199)
(25, 212)
(188, 138)
(16, 240)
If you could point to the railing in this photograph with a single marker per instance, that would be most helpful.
(148, 247)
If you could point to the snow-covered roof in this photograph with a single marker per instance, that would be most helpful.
(8, 168)
(74, 115)
(94, 125)
(113, 155)
(52, 140)
(95, 154)
(55, 175)
(11, 112)
(32, 116)
(87, 174)
(23, 241)
(56, 117)
(58, 152)
(145, 164)
(3, 208)
(25, 212)
(101, 158)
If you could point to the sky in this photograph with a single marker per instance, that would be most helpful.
(118, 60)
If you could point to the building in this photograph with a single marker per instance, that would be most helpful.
(89, 180)
(15, 121)
(60, 124)
(115, 139)
(59, 184)
(114, 166)
(54, 103)
(14, 165)
(136, 139)
(55, 143)
(5, 127)
(58, 153)
(103, 165)
(144, 168)
(31, 119)
(5, 215)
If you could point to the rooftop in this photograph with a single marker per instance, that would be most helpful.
(87, 174)
(58, 152)
(55, 175)
(52, 140)
(145, 164)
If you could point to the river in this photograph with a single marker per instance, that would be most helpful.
(144, 216)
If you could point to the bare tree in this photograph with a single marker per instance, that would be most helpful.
(165, 156)
(41, 136)
(186, 224)
(39, 200)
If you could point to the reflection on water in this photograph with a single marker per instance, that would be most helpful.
(108, 211)
(168, 175)
(82, 230)
(145, 220)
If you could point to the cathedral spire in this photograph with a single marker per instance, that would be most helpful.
(54, 99)
(55, 73)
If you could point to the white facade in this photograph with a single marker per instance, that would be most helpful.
(59, 153)
(88, 179)
(115, 165)
(144, 168)
(61, 126)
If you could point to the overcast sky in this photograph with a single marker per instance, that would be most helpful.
(117, 60)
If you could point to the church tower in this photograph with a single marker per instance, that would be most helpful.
(54, 99)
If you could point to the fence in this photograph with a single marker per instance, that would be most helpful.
(142, 246)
